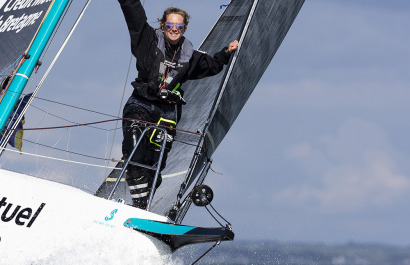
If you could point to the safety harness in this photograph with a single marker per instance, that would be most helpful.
(169, 80)
(157, 136)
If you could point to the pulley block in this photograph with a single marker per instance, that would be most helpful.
(202, 195)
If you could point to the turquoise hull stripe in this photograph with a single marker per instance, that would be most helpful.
(20, 80)
(158, 227)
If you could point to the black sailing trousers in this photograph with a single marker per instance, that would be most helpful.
(140, 179)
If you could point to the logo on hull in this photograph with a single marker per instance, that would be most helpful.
(22, 216)
(113, 212)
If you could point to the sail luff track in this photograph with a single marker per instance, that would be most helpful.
(232, 64)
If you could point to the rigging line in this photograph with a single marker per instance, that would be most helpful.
(225, 82)
(5, 90)
(61, 136)
(38, 29)
(24, 55)
(213, 27)
(122, 99)
(231, 66)
(104, 121)
(201, 149)
(213, 217)
(163, 126)
(75, 107)
(119, 109)
(68, 142)
(14, 126)
(57, 55)
(72, 106)
(11, 65)
(206, 252)
(62, 160)
(49, 68)
(64, 119)
(202, 143)
(216, 172)
(22, 58)
(106, 146)
(8, 134)
(57, 29)
(40, 109)
(62, 150)
(219, 214)
(60, 127)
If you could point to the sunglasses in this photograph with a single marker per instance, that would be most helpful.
(170, 25)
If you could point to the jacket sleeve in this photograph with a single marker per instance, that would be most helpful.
(141, 33)
(203, 65)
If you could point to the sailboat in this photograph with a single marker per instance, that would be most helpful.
(41, 213)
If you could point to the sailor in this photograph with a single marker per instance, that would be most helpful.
(165, 60)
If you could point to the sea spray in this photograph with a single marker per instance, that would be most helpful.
(95, 250)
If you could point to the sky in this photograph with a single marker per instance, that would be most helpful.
(331, 160)
(320, 152)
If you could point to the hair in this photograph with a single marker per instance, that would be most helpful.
(174, 10)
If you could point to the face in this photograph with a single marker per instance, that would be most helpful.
(173, 34)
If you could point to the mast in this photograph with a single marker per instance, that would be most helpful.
(20, 79)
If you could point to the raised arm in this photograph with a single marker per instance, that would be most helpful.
(141, 33)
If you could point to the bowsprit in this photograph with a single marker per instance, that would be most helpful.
(21, 216)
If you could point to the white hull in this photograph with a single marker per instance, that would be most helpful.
(40, 219)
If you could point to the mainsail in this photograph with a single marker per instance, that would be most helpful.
(214, 103)
(19, 22)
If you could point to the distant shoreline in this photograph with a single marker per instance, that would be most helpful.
(295, 253)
